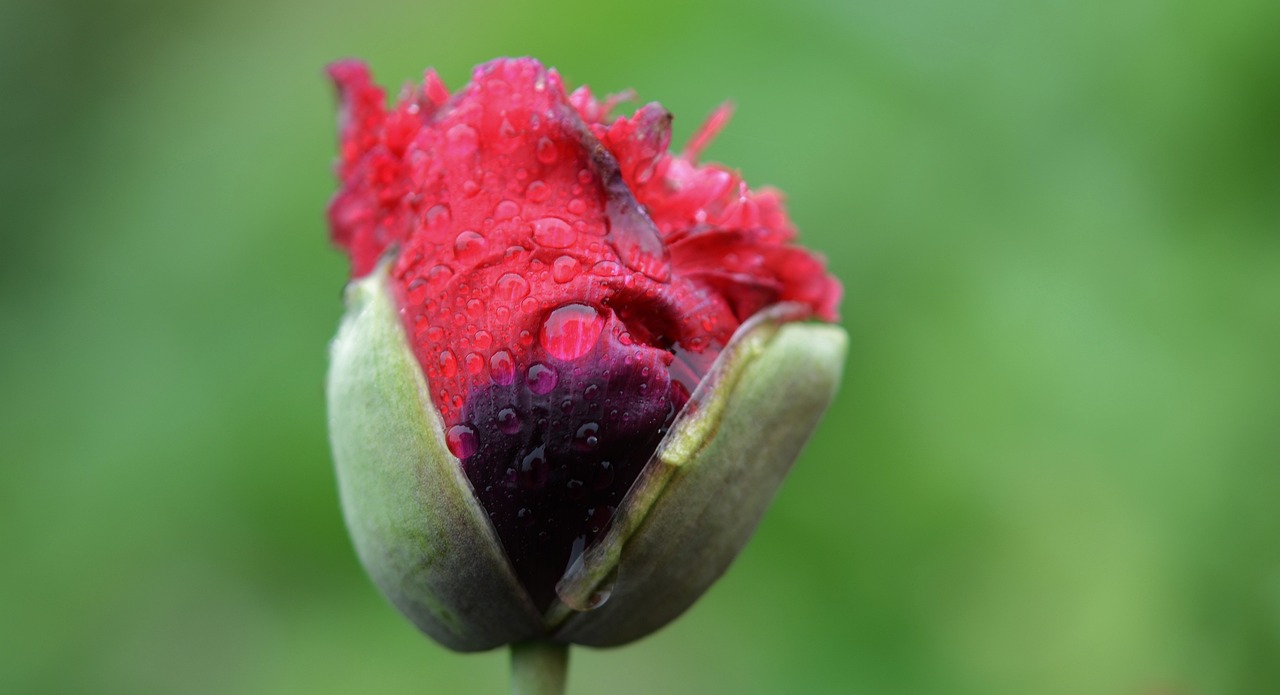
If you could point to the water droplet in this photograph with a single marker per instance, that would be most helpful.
(469, 246)
(511, 288)
(606, 269)
(571, 331)
(474, 362)
(508, 421)
(462, 441)
(534, 471)
(546, 150)
(448, 364)
(506, 129)
(506, 210)
(587, 437)
(435, 334)
(437, 218)
(591, 391)
(598, 596)
(525, 516)
(475, 308)
(502, 368)
(604, 476)
(417, 291)
(540, 378)
(470, 188)
(438, 275)
(554, 232)
(564, 269)
(537, 191)
(482, 340)
(577, 489)
(461, 141)
(577, 206)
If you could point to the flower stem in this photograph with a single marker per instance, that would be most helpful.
(538, 668)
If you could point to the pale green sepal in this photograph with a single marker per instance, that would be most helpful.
(416, 525)
(698, 502)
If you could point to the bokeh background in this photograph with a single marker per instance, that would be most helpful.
(1054, 466)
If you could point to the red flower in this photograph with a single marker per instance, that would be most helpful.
(563, 279)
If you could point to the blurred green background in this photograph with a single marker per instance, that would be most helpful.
(1054, 467)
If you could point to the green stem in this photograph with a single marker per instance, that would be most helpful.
(538, 668)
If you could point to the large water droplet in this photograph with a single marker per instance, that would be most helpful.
(564, 269)
(461, 141)
(604, 476)
(508, 421)
(511, 288)
(587, 437)
(534, 471)
(540, 378)
(546, 150)
(571, 331)
(438, 275)
(537, 191)
(606, 269)
(437, 218)
(506, 210)
(448, 364)
(554, 232)
(596, 597)
(469, 246)
(502, 368)
(462, 441)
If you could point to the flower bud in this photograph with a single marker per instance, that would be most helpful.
(571, 375)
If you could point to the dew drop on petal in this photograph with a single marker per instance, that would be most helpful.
(571, 331)
(537, 191)
(511, 288)
(461, 141)
(437, 218)
(482, 340)
(540, 378)
(462, 441)
(606, 269)
(508, 421)
(546, 150)
(506, 210)
(474, 362)
(469, 246)
(438, 275)
(502, 368)
(587, 437)
(533, 471)
(553, 232)
(448, 364)
(564, 269)
(604, 476)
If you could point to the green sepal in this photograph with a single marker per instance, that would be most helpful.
(416, 525)
(698, 501)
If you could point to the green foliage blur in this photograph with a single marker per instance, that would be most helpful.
(1054, 467)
